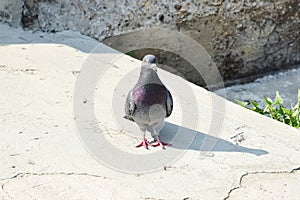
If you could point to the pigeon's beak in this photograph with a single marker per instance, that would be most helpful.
(153, 66)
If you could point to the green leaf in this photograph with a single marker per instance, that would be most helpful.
(287, 111)
(276, 110)
(281, 110)
(278, 99)
(268, 101)
(256, 107)
(242, 103)
(253, 103)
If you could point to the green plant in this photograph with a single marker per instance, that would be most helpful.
(131, 53)
(276, 110)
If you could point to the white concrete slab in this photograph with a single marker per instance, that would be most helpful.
(45, 156)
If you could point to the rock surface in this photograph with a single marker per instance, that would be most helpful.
(11, 12)
(245, 38)
(30, 15)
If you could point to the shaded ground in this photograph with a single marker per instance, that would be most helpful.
(287, 83)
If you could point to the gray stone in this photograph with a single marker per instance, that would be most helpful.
(30, 15)
(11, 12)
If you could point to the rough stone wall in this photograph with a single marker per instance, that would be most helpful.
(244, 37)
(257, 38)
(30, 15)
(10, 12)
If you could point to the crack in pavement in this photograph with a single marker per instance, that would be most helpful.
(2, 187)
(20, 175)
(252, 173)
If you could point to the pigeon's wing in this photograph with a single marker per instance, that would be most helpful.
(169, 104)
(130, 105)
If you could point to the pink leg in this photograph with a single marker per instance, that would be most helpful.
(145, 142)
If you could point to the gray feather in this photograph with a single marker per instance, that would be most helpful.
(130, 105)
(169, 104)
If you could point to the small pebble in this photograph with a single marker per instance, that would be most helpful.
(177, 6)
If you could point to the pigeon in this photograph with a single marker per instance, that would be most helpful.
(149, 102)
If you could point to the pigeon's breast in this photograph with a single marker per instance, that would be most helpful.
(150, 94)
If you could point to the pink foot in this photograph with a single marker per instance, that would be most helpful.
(160, 143)
(144, 143)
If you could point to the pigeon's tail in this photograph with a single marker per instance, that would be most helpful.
(129, 118)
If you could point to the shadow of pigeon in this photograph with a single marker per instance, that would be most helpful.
(185, 138)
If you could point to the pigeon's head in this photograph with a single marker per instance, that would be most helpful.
(150, 60)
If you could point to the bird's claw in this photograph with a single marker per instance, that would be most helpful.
(162, 144)
(144, 143)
